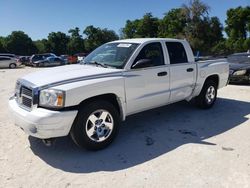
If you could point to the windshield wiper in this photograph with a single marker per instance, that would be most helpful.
(96, 63)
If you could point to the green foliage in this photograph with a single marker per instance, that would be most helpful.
(201, 31)
(2, 42)
(19, 43)
(143, 28)
(57, 43)
(238, 23)
(172, 25)
(41, 45)
(238, 29)
(96, 37)
(76, 42)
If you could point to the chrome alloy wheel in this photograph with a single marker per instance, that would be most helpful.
(210, 94)
(99, 125)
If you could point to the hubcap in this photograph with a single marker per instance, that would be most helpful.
(210, 94)
(99, 125)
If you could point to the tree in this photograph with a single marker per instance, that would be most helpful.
(238, 29)
(130, 29)
(201, 31)
(57, 43)
(76, 42)
(141, 28)
(172, 25)
(96, 37)
(19, 43)
(238, 23)
(42, 45)
(148, 26)
(2, 48)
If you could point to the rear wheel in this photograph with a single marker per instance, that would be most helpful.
(208, 95)
(96, 125)
(12, 65)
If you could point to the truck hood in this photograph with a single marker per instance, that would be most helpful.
(66, 74)
(239, 66)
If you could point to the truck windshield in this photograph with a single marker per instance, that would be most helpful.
(111, 54)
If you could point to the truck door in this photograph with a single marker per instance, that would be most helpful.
(147, 86)
(182, 72)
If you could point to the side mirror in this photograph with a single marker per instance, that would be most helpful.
(142, 63)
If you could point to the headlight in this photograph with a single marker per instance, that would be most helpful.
(52, 98)
(240, 73)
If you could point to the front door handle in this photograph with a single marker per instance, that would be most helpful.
(190, 70)
(162, 74)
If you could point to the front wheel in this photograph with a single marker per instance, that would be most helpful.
(208, 95)
(12, 66)
(96, 125)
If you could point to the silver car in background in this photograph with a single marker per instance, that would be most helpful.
(9, 62)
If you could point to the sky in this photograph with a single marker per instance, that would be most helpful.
(37, 18)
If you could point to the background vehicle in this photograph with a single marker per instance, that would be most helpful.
(72, 59)
(24, 60)
(239, 65)
(120, 78)
(38, 57)
(50, 61)
(80, 56)
(6, 62)
(8, 55)
(65, 58)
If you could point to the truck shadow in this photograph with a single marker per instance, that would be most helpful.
(146, 136)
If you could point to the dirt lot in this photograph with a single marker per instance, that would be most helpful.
(174, 146)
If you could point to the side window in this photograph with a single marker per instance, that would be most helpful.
(177, 53)
(152, 52)
(4, 58)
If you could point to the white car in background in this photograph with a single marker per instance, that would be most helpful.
(9, 62)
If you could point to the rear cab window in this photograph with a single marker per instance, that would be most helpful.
(177, 52)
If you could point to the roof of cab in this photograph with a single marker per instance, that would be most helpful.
(143, 40)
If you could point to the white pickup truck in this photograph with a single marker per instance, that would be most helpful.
(120, 78)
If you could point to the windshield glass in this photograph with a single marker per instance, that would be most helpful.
(111, 54)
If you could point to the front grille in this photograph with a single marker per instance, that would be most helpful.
(26, 97)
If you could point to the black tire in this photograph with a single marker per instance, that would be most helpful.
(78, 131)
(12, 66)
(201, 100)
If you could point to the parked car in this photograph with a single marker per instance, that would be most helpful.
(50, 61)
(24, 60)
(8, 62)
(72, 59)
(80, 56)
(89, 100)
(38, 57)
(239, 65)
(8, 55)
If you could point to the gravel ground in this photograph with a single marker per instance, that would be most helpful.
(173, 146)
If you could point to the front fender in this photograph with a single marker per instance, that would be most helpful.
(77, 92)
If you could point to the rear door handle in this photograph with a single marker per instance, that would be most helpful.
(162, 74)
(190, 70)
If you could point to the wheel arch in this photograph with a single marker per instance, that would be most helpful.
(110, 97)
(215, 78)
